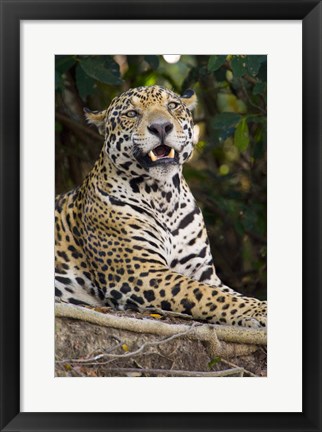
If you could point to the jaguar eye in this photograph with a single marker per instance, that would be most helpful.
(132, 113)
(173, 105)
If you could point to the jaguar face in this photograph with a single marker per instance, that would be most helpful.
(148, 130)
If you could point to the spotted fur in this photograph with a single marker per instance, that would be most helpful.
(132, 234)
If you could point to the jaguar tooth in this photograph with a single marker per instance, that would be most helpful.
(171, 154)
(152, 156)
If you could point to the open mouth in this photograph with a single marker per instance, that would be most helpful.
(161, 152)
(160, 155)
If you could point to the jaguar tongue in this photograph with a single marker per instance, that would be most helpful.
(161, 151)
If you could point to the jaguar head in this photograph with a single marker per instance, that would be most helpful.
(148, 130)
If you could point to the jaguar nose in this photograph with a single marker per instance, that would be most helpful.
(161, 130)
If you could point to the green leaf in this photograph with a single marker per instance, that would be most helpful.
(191, 79)
(259, 147)
(241, 137)
(238, 65)
(152, 60)
(250, 64)
(213, 362)
(249, 219)
(84, 83)
(224, 126)
(64, 63)
(262, 74)
(255, 118)
(253, 63)
(215, 61)
(226, 120)
(102, 68)
(259, 88)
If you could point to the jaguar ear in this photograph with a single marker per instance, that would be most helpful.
(97, 118)
(189, 98)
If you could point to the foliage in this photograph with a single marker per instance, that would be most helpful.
(228, 171)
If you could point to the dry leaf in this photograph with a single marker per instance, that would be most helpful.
(157, 316)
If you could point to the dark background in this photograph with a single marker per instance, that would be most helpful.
(227, 174)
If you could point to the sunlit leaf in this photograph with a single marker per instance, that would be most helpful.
(224, 169)
(241, 137)
(227, 102)
(150, 80)
(68, 367)
(213, 362)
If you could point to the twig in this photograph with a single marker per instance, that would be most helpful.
(131, 353)
(95, 358)
(228, 363)
(254, 105)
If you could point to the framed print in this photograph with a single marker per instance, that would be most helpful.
(48, 46)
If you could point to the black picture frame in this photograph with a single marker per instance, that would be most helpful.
(12, 12)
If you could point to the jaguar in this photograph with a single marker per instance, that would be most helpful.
(131, 235)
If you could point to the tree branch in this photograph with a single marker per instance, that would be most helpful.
(183, 373)
(210, 333)
(78, 128)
